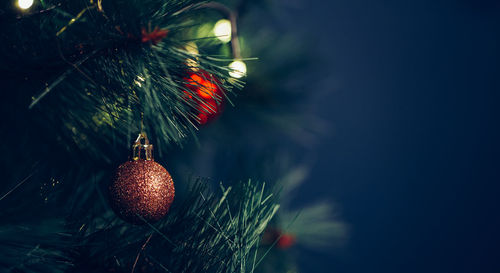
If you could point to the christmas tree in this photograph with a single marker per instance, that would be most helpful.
(82, 79)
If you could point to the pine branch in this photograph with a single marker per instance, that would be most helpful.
(204, 233)
(107, 62)
(31, 249)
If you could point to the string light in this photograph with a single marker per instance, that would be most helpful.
(192, 62)
(192, 48)
(238, 69)
(25, 4)
(222, 30)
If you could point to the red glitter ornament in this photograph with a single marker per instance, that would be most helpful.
(210, 101)
(142, 190)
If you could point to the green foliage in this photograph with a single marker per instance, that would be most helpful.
(94, 68)
(326, 230)
(203, 232)
(30, 249)
(77, 78)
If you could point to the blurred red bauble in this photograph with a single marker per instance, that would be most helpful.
(209, 96)
(283, 240)
(286, 241)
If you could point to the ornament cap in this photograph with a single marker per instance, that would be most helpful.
(141, 149)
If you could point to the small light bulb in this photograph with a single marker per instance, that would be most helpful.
(25, 4)
(239, 69)
(222, 30)
(192, 48)
(192, 61)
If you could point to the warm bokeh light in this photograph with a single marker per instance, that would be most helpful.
(222, 30)
(238, 69)
(192, 48)
(25, 4)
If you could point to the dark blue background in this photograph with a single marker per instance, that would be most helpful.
(413, 97)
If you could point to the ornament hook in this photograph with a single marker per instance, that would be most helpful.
(141, 148)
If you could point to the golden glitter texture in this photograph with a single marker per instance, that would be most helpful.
(141, 187)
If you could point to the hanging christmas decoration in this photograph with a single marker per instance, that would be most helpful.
(206, 94)
(142, 190)
(281, 239)
(286, 241)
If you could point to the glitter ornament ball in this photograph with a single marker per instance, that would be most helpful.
(142, 190)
